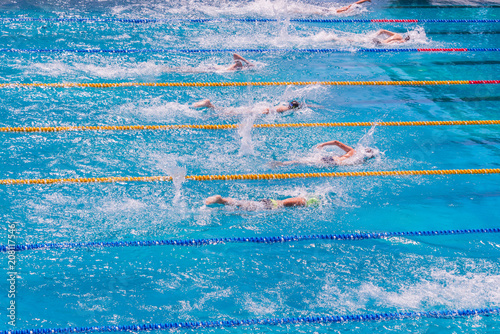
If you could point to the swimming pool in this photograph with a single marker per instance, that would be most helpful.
(135, 285)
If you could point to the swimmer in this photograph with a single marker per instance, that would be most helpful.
(279, 108)
(264, 204)
(367, 153)
(346, 8)
(238, 65)
(393, 37)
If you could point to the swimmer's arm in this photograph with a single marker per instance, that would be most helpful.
(383, 31)
(335, 143)
(238, 57)
(349, 150)
(343, 9)
(231, 68)
(229, 201)
(295, 201)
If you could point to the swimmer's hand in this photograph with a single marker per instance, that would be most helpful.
(217, 199)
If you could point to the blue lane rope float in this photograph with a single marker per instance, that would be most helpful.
(325, 319)
(373, 50)
(265, 240)
(202, 20)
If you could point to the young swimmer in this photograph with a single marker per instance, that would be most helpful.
(367, 153)
(238, 65)
(264, 204)
(346, 8)
(279, 108)
(393, 37)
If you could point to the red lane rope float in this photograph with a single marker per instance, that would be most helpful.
(443, 50)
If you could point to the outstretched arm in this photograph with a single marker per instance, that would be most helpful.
(294, 201)
(218, 199)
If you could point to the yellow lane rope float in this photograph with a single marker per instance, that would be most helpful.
(235, 84)
(234, 126)
(251, 176)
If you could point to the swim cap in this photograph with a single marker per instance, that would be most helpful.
(369, 152)
(313, 202)
(293, 105)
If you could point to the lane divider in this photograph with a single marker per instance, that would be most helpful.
(237, 177)
(201, 20)
(265, 240)
(315, 319)
(262, 83)
(251, 50)
(29, 129)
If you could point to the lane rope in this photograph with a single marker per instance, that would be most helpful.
(201, 20)
(377, 50)
(29, 129)
(261, 83)
(266, 321)
(265, 240)
(271, 176)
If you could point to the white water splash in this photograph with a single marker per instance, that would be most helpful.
(245, 132)
(349, 39)
(437, 288)
(169, 165)
(275, 8)
(364, 148)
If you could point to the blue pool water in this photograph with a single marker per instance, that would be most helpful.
(88, 287)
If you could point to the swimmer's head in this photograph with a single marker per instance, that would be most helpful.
(313, 202)
(238, 64)
(407, 38)
(293, 105)
(369, 152)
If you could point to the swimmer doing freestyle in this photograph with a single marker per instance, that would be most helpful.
(264, 204)
(239, 63)
(393, 37)
(346, 8)
(367, 153)
(279, 108)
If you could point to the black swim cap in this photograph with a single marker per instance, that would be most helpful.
(293, 105)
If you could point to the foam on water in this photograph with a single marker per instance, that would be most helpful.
(343, 38)
(245, 132)
(434, 287)
(267, 8)
(160, 110)
(108, 69)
